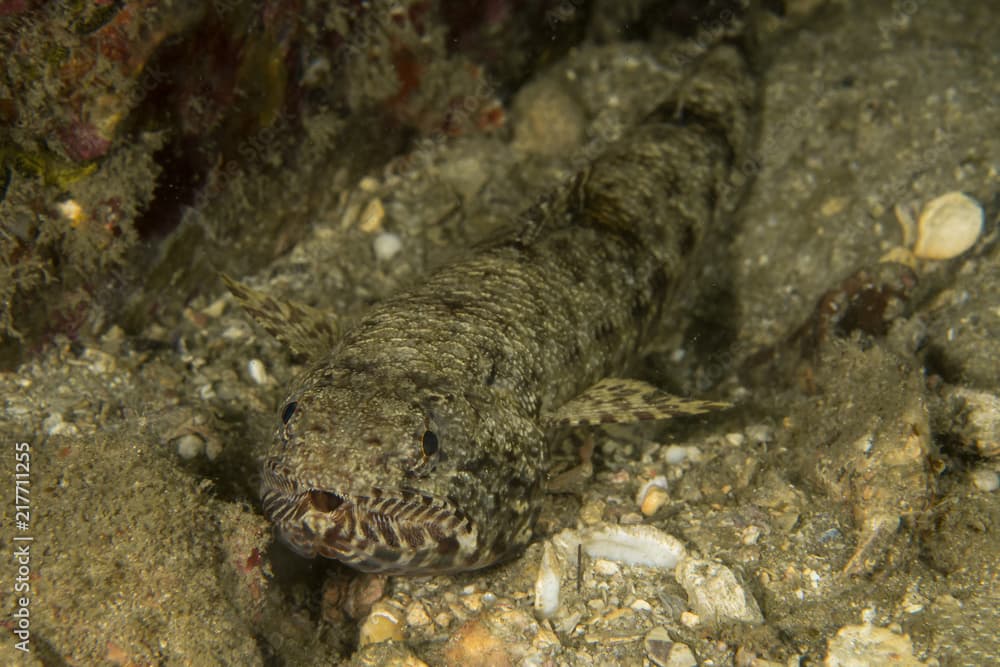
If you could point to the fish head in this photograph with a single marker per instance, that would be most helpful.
(399, 475)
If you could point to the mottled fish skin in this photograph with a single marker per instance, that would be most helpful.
(419, 444)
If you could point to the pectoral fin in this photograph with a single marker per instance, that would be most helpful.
(621, 401)
(306, 330)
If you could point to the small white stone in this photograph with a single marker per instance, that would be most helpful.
(606, 568)
(190, 446)
(372, 216)
(949, 225)
(869, 645)
(100, 362)
(735, 439)
(675, 454)
(689, 619)
(52, 423)
(750, 535)
(216, 308)
(416, 615)
(387, 245)
(213, 448)
(641, 606)
(235, 332)
(986, 480)
(258, 372)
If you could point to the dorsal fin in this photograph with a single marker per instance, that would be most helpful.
(306, 330)
(624, 401)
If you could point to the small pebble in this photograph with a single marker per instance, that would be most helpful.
(189, 446)
(475, 646)
(416, 615)
(759, 433)
(641, 606)
(216, 308)
(869, 645)
(547, 120)
(681, 655)
(986, 480)
(833, 206)
(213, 448)
(750, 535)
(592, 512)
(980, 433)
(689, 619)
(53, 424)
(257, 372)
(101, 363)
(387, 245)
(714, 591)
(948, 226)
(657, 644)
(675, 454)
(606, 568)
(372, 217)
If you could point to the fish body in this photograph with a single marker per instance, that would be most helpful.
(419, 443)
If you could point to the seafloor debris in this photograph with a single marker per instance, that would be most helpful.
(633, 545)
(878, 463)
(715, 593)
(977, 420)
(858, 645)
(867, 302)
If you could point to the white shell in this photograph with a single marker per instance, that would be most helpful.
(949, 225)
(548, 583)
(634, 545)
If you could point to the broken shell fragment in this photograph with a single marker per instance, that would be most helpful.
(634, 545)
(548, 584)
(714, 592)
(384, 623)
(949, 225)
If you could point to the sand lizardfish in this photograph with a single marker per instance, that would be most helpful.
(417, 443)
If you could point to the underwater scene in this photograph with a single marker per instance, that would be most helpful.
(500, 332)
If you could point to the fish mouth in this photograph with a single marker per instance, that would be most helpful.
(391, 531)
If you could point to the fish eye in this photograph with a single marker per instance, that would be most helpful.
(429, 443)
(288, 411)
